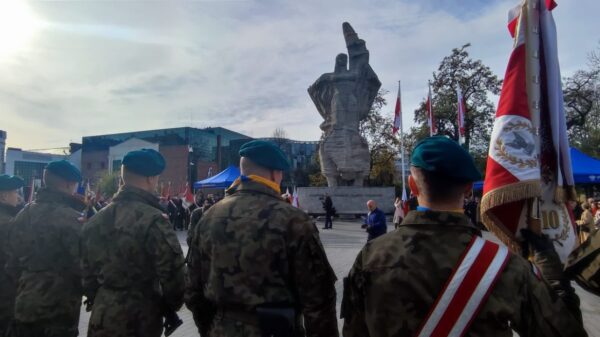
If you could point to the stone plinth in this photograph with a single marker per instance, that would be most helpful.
(346, 199)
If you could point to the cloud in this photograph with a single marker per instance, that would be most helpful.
(104, 67)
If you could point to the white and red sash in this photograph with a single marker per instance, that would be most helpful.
(466, 290)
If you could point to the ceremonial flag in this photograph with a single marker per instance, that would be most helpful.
(189, 197)
(460, 116)
(430, 118)
(397, 114)
(295, 201)
(31, 190)
(529, 176)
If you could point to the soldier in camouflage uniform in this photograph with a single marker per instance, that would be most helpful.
(397, 277)
(133, 265)
(44, 257)
(252, 253)
(9, 199)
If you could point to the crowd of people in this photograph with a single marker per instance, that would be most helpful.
(256, 265)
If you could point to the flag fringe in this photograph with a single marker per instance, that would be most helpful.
(510, 193)
(564, 194)
(503, 195)
(490, 221)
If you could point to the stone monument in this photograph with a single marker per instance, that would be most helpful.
(344, 98)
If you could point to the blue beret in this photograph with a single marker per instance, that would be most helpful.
(145, 162)
(64, 169)
(442, 155)
(10, 183)
(265, 154)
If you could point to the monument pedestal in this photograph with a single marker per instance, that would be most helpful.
(347, 200)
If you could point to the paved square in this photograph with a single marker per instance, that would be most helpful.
(342, 244)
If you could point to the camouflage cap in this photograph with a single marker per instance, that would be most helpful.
(64, 169)
(10, 183)
(440, 154)
(145, 162)
(265, 154)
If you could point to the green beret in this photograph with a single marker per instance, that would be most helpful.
(145, 162)
(10, 183)
(64, 169)
(265, 154)
(442, 155)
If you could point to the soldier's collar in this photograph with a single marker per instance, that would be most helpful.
(250, 183)
(11, 210)
(444, 218)
(128, 192)
(258, 179)
(47, 195)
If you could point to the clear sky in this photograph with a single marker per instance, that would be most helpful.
(74, 68)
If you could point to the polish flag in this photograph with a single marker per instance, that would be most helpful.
(430, 118)
(529, 134)
(397, 114)
(460, 116)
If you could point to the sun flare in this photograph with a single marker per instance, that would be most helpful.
(17, 26)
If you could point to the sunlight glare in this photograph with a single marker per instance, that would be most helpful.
(17, 26)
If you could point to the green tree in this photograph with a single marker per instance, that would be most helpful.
(478, 84)
(582, 107)
(109, 184)
(383, 146)
(315, 177)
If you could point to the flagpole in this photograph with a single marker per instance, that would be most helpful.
(402, 144)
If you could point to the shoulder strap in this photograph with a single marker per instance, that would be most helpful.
(466, 290)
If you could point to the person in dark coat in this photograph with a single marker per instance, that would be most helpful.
(375, 223)
(329, 212)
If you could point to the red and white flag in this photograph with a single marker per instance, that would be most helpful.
(460, 116)
(529, 176)
(31, 190)
(397, 114)
(430, 118)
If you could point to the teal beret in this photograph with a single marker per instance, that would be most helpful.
(442, 155)
(265, 154)
(10, 183)
(145, 162)
(64, 169)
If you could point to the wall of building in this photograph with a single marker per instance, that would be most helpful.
(2, 151)
(94, 164)
(177, 170)
(28, 165)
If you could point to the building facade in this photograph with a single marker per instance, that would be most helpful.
(2, 150)
(29, 165)
(190, 153)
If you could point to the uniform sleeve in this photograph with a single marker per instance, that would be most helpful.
(543, 313)
(353, 308)
(89, 277)
(202, 309)
(163, 245)
(315, 283)
(15, 247)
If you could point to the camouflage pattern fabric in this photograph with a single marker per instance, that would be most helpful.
(253, 249)
(584, 264)
(8, 288)
(45, 260)
(397, 277)
(133, 266)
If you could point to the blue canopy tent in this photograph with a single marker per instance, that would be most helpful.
(222, 180)
(586, 169)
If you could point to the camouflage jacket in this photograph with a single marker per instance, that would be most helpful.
(131, 246)
(45, 258)
(584, 264)
(7, 284)
(397, 277)
(252, 249)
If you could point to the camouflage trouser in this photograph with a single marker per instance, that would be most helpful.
(43, 329)
(115, 314)
(4, 327)
(223, 327)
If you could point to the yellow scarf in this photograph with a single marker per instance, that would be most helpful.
(269, 183)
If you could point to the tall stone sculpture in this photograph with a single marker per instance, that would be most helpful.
(344, 98)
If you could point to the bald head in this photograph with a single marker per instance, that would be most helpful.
(371, 205)
(130, 178)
